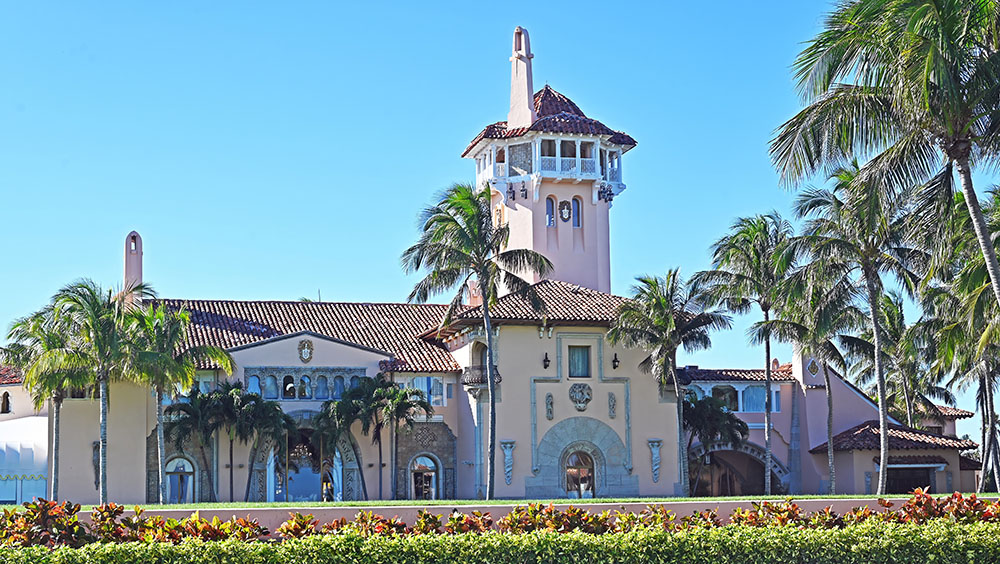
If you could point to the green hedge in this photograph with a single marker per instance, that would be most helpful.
(940, 541)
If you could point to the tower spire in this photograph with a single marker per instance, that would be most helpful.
(522, 105)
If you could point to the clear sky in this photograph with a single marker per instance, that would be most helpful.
(270, 150)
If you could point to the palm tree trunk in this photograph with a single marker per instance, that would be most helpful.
(209, 475)
(829, 430)
(380, 496)
(491, 390)
(767, 410)
(361, 467)
(883, 414)
(253, 455)
(907, 399)
(394, 462)
(161, 455)
(56, 415)
(995, 448)
(103, 465)
(231, 441)
(979, 224)
(682, 454)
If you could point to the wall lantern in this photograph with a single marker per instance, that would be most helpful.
(524, 191)
(615, 362)
(511, 193)
(546, 361)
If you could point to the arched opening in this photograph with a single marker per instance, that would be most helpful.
(5, 403)
(577, 213)
(288, 387)
(253, 385)
(730, 473)
(313, 472)
(305, 388)
(579, 468)
(550, 212)
(322, 388)
(728, 396)
(270, 387)
(338, 387)
(424, 477)
(180, 481)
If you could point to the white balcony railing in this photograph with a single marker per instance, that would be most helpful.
(548, 164)
(614, 175)
(567, 164)
(588, 166)
(500, 169)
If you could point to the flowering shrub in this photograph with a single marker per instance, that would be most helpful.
(44, 523)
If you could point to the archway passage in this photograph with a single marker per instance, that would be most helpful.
(313, 474)
(729, 473)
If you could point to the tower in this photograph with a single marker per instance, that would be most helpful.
(132, 275)
(553, 173)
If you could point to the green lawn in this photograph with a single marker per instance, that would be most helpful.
(447, 504)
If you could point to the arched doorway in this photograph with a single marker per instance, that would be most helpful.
(580, 477)
(180, 480)
(424, 477)
(722, 470)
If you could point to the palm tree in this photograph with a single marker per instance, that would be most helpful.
(663, 315)
(857, 229)
(460, 243)
(913, 84)
(263, 421)
(368, 399)
(99, 340)
(750, 268)
(708, 420)
(166, 363)
(819, 309)
(28, 340)
(399, 408)
(334, 420)
(195, 418)
(233, 408)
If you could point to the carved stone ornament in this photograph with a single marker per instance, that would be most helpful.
(548, 407)
(424, 437)
(654, 461)
(508, 460)
(305, 350)
(565, 212)
(612, 405)
(580, 395)
(812, 367)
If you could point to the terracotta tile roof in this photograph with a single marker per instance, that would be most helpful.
(949, 412)
(391, 327)
(564, 303)
(916, 459)
(556, 114)
(865, 437)
(10, 375)
(966, 463)
(695, 374)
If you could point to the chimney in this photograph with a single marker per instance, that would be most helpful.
(133, 259)
(522, 92)
(475, 293)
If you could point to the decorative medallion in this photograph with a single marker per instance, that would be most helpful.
(424, 437)
(580, 395)
(813, 368)
(305, 350)
(565, 211)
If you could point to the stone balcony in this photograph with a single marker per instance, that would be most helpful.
(476, 375)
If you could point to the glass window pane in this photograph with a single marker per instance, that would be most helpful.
(253, 385)
(579, 362)
(753, 399)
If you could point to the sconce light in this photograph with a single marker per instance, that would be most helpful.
(615, 362)
(511, 193)
(546, 361)
(524, 191)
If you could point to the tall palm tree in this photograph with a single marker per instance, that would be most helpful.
(400, 408)
(166, 363)
(708, 420)
(663, 315)
(265, 422)
(28, 340)
(750, 267)
(912, 84)
(98, 322)
(195, 418)
(334, 420)
(460, 243)
(818, 310)
(859, 229)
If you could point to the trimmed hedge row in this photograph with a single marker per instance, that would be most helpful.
(940, 541)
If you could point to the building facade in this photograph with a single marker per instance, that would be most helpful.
(575, 415)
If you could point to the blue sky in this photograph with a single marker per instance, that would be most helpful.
(270, 150)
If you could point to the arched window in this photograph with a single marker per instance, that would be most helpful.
(305, 388)
(270, 387)
(424, 474)
(728, 396)
(322, 388)
(288, 387)
(577, 210)
(753, 399)
(338, 387)
(180, 481)
(253, 385)
(5, 403)
(355, 382)
(579, 475)
(550, 212)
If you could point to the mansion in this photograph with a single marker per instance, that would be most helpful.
(575, 415)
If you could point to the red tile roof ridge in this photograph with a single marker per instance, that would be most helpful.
(308, 303)
(10, 375)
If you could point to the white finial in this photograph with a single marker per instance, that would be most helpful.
(522, 103)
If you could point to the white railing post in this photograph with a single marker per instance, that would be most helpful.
(579, 170)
